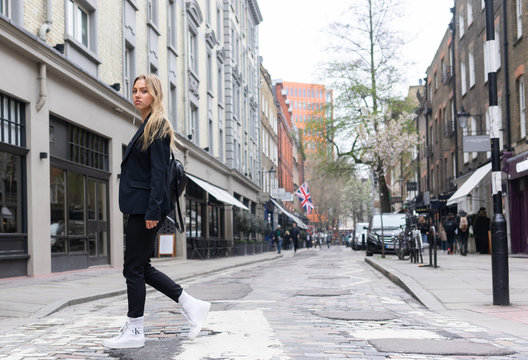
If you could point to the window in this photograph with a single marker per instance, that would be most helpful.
(129, 70)
(194, 124)
(483, 4)
(12, 117)
(453, 114)
(435, 78)
(193, 52)
(219, 25)
(471, 69)
(87, 148)
(171, 25)
(463, 78)
(77, 22)
(4, 8)
(453, 162)
(461, 25)
(173, 101)
(522, 105)
(518, 13)
(209, 72)
(210, 136)
(208, 11)
(469, 8)
(220, 86)
(12, 162)
(152, 12)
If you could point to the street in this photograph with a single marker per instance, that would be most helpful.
(315, 304)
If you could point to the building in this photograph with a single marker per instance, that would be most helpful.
(459, 96)
(67, 72)
(269, 145)
(308, 103)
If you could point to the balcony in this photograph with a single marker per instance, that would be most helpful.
(447, 75)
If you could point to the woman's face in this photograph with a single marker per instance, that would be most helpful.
(141, 96)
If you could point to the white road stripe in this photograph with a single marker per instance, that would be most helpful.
(242, 334)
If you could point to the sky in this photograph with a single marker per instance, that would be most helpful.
(292, 39)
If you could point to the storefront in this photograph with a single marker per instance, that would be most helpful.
(13, 225)
(517, 169)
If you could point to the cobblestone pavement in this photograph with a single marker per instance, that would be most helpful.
(317, 304)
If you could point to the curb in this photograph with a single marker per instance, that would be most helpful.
(410, 286)
(62, 304)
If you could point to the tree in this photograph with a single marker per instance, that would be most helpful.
(366, 126)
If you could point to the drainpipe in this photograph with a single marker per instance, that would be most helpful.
(46, 27)
(506, 75)
(185, 71)
(42, 86)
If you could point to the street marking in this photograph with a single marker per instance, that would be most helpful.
(397, 333)
(243, 301)
(241, 334)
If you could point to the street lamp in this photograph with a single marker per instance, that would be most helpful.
(462, 116)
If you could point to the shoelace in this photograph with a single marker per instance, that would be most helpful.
(187, 316)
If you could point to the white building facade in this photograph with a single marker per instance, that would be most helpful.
(66, 117)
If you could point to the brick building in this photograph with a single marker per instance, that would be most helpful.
(456, 100)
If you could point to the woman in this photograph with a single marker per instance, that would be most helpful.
(424, 228)
(144, 196)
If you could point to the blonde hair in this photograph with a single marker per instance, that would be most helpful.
(158, 126)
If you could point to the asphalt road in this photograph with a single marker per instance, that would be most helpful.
(318, 304)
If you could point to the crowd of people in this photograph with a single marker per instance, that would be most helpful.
(454, 229)
(293, 238)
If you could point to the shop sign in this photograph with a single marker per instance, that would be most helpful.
(521, 166)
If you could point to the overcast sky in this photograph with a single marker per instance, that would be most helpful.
(292, 35)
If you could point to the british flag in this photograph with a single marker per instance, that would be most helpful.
(305, 198)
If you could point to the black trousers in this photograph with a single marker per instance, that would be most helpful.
(137, 268)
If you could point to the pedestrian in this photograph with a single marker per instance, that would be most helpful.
(424, 228)
(463, 231)
(143, 196)
(480, 230)
(328, 240)
(287, 240)
(308, 240)
(450, 228)
(317, 240)
(443, 238)
(294, 233)
(278, 236)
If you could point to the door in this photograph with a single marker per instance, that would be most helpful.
(97, 222)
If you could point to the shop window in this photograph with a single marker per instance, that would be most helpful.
(13, 227)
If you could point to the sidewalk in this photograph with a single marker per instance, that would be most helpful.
(38, 297)
(461, 286)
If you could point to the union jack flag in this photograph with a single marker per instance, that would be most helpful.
(305, 198)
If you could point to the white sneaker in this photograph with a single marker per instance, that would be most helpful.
(129, 336)
(195, 311)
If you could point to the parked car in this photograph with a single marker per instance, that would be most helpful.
(393, 224)
(359, 239)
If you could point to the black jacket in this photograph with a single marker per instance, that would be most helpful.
(143, 183)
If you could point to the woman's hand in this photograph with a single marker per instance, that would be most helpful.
(150, 224)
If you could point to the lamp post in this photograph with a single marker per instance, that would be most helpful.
(499, 246)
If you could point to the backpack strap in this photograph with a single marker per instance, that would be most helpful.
(180, 227)
(177, 210)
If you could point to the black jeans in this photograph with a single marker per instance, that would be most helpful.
(137, 268)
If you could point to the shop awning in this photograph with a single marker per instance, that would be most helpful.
(469, 184)
(218, 193)
(290, 215)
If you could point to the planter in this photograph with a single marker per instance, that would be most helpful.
(239, 249)
(250, 249)
(258, 248)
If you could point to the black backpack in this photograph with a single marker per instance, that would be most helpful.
(177, 180)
